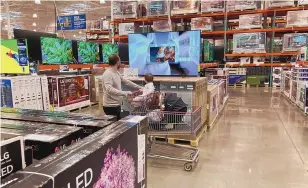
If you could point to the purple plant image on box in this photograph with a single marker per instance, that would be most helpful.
(118, 170)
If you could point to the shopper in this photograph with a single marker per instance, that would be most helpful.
(147, 91)
(112, 96)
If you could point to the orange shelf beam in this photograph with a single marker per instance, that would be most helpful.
(99, 32)
(261, 65)
(208, 65)
(263, 54)
(151, 19)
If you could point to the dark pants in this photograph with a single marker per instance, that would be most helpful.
(114, 111)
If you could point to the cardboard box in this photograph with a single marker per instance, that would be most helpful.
(12, 154)
(39, 95)
(184, 7)
(90, 124)
(45, 93)
(202, 23)
(212, 94)
(44, 138)
(113, 156)
(213, 6)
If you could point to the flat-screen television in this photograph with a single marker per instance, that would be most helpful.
(123, 52)
(33, 41)
(56, 51)
(88, 52)
(107, 50)
(165, 53)
(14, 56)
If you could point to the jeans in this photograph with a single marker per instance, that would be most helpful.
(114, 111)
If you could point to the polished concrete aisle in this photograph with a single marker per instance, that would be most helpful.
(260, 140)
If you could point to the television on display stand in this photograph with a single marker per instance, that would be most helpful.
(165, 53)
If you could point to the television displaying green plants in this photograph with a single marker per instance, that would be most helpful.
(208, 51)
(56, 51)
(87, 52)
(109, 49)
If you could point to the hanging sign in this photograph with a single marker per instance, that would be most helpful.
(71, 22)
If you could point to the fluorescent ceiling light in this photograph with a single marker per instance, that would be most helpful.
(34, 24)
(34, 15)
(74, 36)
(37, 1)
(79, 32)
(102, 1)
(76, 12)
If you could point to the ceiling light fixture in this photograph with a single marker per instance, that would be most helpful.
(37, 2)
(34, 15)
(34, 24)
(76, 12)
(102, 1)
(5, 26)
(79, 32)
(34, 30)
(74, 36)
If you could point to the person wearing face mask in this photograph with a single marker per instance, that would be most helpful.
(112, 92)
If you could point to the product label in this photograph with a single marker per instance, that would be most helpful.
(141, 157)
(11, 158)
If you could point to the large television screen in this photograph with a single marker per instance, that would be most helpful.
(14, 56)
(87, 52)
(56, 51)
(107, 50)
(165, 53)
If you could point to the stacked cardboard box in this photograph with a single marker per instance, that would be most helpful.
(29, 92)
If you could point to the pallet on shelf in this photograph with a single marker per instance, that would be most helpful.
(257, 85)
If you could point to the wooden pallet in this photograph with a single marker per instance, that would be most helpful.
(86, 106)
(257, 85)
(181, 141)
(239, 85)
(275, 86)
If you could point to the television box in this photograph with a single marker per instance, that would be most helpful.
(212, 104)
(101, 159)
(107, 50)
(68, 92)
(44, 138)
(162, 26)
(279, 3)
(88, 52)
(213, 6)
(294, 41)
(277, 45)
(237, 79)
(123, 10)
(12, 154)
(165, 53)
(157, 8)
(208, 51)
(185, 7)
(303, 2)
(203, 24)
(126, 28)
(89, 125)
(14, 57)
(250, 21)
(297, 18)
(235, 5)
(249, 43)
(56, 51)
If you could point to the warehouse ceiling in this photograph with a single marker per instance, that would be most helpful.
(41, 17)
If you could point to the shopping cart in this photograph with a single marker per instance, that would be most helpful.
(163, 123)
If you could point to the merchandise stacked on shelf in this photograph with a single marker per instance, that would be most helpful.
(120, 141)
(29, 92)
(258, 76)
(237, 76)
(277, 74)
(294, 87)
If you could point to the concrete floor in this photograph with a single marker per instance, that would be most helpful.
(260, 140)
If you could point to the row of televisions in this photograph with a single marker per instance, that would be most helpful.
(47, 49)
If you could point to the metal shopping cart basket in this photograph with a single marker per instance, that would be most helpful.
(164, 123)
